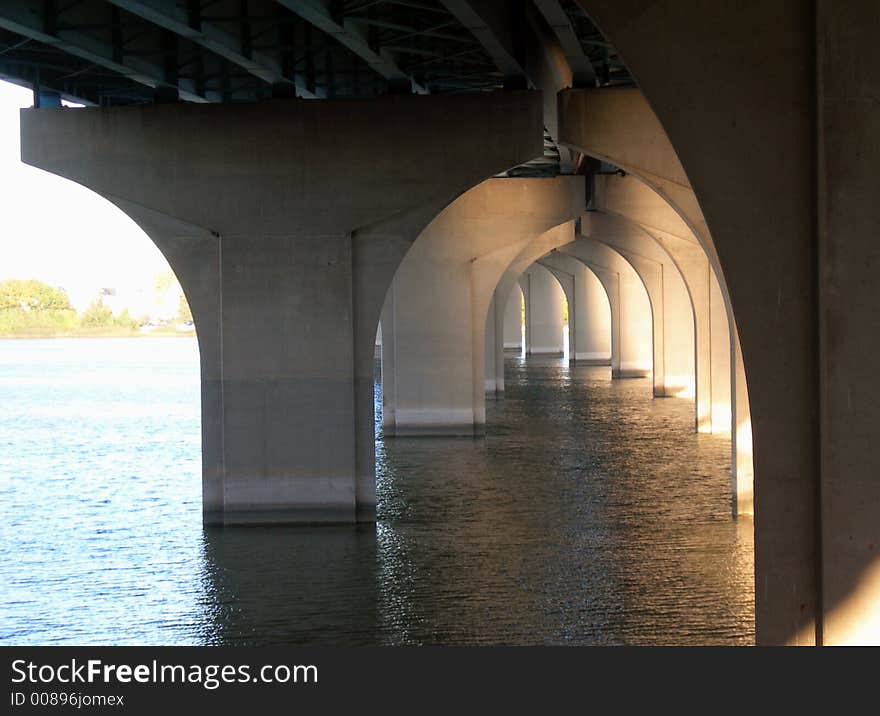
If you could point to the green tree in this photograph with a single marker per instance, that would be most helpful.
(184, 313)
(97, 314)
(32, 295)
(124, 320)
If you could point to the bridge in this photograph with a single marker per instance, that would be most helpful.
(694, 177)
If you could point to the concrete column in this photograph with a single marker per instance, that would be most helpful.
(848, 67)
(522, 280)
(544, 312)
(672, 310)
(567, 284)
(650, 216)
(515, 272)
(286, 261)
(513, 326)
(493, 348)
(591, 343)
(631, 317)
(722, 379)
(451, 274)
(763, 234)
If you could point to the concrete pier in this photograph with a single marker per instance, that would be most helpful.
(286, 262)
(544, 311)
(450, 277)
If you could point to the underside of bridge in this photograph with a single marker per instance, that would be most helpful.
(695, 181)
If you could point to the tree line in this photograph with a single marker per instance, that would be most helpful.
(31, 307)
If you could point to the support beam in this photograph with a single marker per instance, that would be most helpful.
(23, 19)
(349, 33)
(582, 72)
(170, 15)
(494, 25)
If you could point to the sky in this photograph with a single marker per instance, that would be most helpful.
(59, 232)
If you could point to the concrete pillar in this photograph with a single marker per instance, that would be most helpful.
(286, 260)
(544, 312)
(631, 317)
(513, 323)
(514, 274)
(590, 341)
(566, 283)
(750, 155)
(651, 217)
(672, 310)
(848, 65)
(722, 379)
(451, 274)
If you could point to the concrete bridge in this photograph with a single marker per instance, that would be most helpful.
(697, 177)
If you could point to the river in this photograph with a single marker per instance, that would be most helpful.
(590, 513)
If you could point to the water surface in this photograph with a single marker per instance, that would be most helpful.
(590, 514)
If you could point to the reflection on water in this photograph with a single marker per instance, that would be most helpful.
(590, 514)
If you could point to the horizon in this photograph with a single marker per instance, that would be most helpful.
(65, 235)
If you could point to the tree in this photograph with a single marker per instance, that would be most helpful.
(32, 295)
(97, 314)
(184, 313)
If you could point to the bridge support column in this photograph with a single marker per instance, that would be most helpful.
(513, 326)
(590, 320)
(544, 312)
(444, 290)
(631, 316)
(286, 259)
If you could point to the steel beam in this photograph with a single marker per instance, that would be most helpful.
(349, 34)
(169, 15)
(583, 74)
(24, 19)
(483, 21)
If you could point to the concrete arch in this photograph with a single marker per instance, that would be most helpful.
(589, 318)
(634, 202)
(514, 265)
(450, 273)
(264, 225)
(544, 307)
(618, 126)
(624, 290)
(671, 304)
(755, 230)
(632, 345)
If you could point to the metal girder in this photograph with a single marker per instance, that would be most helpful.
(167, 14)
(583, 74)
(29, 85)
(349, 34)
(24, 19)
(476, 17)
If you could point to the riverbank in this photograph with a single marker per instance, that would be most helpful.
(98, 333)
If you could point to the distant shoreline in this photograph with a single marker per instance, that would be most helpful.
(98, 334)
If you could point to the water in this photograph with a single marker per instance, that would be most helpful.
(590, 514)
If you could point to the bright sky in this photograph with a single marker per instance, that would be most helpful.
(63, 234)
